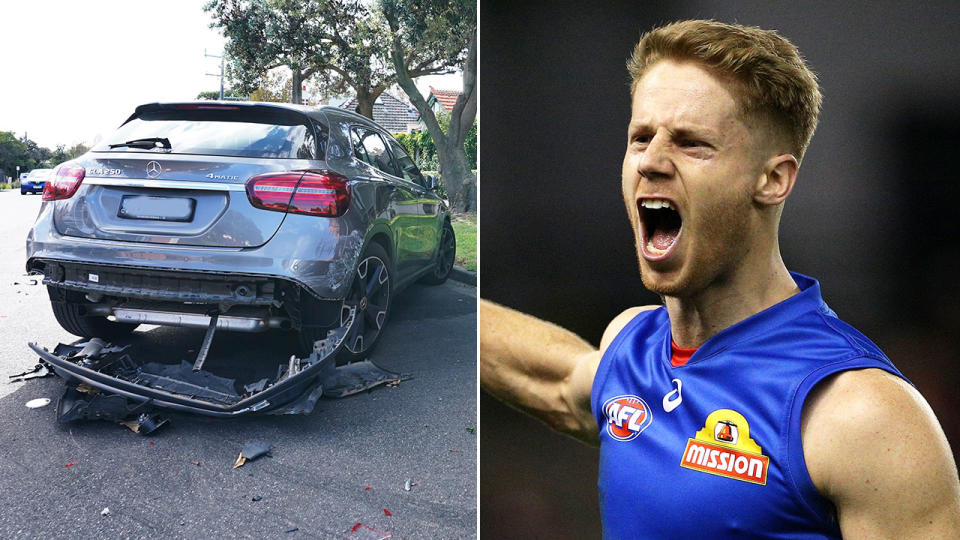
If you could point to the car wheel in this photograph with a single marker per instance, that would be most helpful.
(369, 296)
(446, 254)
(22, 192)
(69, 311)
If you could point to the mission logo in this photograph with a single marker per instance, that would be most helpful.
(627, 416)
(724, 448)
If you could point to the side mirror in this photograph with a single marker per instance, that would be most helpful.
(431, 181)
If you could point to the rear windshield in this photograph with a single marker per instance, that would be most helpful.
(244, 133)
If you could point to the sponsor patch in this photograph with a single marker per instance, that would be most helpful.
(724, 448)
(627, 416)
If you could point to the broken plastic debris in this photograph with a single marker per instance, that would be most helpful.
(362, 531)
(197, 463)
(471, 430)
(251, 451)
(407, 485)
(357, 377)
(71, 464)
(255, 387)
(39, 370)
(367, 488)
(292, 529)
(256, 498)
(387, 512)
(37, 403)
(145, 424)
(105, 511)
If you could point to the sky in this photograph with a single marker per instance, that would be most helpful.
(72, 71)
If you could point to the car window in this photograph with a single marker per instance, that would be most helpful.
(407, 167)
(358, 150)
(377, 153)
(239, 131)
(308, 147)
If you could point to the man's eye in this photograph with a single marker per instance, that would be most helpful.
(693, 143)
(642, 139)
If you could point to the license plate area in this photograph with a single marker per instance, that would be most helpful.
(155, 208)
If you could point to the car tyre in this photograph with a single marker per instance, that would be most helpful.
(68, 310)
(446, 255)
(370, 294)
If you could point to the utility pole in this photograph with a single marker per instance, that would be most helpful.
(217, 74)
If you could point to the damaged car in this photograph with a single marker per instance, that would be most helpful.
(241, 217)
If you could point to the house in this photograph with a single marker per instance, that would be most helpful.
(442, 99)
(394, 114)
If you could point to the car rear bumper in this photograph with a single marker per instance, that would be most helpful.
(305, 251)
(293, 392)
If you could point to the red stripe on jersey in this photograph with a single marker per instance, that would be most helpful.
(680, 356)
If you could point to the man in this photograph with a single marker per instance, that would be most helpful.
(743, 407)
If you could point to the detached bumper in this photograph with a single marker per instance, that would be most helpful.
(291, 393)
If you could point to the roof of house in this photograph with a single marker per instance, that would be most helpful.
(447, 98)
(394, 114)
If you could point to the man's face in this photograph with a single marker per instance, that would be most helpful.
(689, 147)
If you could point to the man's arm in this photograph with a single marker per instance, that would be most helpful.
(874, 447)
(542, 369)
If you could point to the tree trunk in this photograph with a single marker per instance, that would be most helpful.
(365, 101)
(297, 84)
(457, 177)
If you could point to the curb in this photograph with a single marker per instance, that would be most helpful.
(463, 275)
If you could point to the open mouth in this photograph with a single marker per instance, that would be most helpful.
(660, 227)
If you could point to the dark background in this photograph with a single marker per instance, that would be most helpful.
(872, 215)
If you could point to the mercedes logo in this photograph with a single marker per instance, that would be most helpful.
(154, 169)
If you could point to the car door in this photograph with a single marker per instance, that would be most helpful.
(402, 207)
(430, 225)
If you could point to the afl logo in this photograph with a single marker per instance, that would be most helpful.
(627, 416)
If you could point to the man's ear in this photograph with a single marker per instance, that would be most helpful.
(776, 182)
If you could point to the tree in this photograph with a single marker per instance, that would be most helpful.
(77, 150)
(23, 152)
(441, 27)
(12, 153)
(215, 95)
(341, 41)
(267, 34)
(361, 59)
(274, 88)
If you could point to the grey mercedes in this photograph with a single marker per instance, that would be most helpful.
(236, 216)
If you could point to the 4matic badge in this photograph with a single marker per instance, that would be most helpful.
(627, 416)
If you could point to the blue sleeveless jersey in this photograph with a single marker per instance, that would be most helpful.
(712, 449)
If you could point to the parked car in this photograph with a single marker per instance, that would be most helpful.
(242, 217)
(34, 181)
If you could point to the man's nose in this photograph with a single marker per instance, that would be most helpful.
(655, 160)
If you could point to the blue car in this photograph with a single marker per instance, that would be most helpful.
(34, 181)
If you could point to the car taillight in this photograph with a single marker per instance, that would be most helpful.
(63, 183)
(315, 193)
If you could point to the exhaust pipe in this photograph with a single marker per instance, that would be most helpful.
(194, 320)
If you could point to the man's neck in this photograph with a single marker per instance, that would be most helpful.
(695, 319)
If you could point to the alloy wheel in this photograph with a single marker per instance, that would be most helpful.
(370, 298)
(448, 250)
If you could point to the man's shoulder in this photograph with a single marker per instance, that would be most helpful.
(870, 439)
(619, 322)
(845, 333)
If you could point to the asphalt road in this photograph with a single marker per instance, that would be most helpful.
(344, 464)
